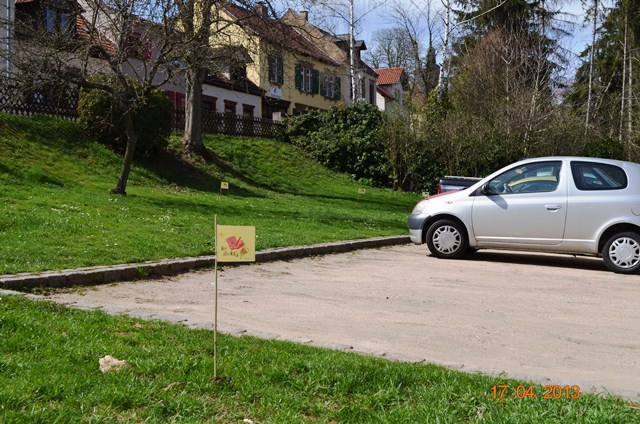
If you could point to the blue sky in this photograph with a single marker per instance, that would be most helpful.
(379, 18)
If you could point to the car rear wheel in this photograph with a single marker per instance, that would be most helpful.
(621, 253)
(447, 239)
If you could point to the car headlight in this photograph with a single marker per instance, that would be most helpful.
(420, 207)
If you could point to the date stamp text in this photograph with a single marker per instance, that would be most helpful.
(549, 392)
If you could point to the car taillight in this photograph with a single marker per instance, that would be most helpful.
(439, 188)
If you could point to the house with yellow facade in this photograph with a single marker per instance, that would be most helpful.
(296, 75)
(338, 47)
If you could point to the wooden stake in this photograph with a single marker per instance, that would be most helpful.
(215, 305)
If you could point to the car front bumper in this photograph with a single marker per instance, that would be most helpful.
(415, 223)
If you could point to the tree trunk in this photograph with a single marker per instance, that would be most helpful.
(445, 50)
(591, 60)
(624, 75)
(630, 105)
(352, 54)
(192, 138)
(132, 139)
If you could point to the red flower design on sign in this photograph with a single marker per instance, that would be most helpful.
(235, 243)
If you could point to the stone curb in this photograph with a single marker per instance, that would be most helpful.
(126, 272)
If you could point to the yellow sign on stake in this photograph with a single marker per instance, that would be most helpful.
(233, 244)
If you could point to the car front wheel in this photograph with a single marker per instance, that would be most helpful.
(621, 253)
(447, 239)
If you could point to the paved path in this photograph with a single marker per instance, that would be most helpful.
(553, 319)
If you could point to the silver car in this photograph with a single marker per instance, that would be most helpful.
(569, 205)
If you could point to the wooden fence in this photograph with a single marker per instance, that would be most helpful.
(64, 104)
(56, 103)
(229, 124)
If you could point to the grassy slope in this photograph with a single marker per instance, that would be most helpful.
(57, 211)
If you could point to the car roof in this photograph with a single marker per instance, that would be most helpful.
(580, 158)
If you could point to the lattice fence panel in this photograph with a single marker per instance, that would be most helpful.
(60, 103)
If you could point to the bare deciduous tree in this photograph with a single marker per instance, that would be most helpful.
(131, 41)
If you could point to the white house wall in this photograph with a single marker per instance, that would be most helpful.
(135, 68)
(381, 102)
(239, 98)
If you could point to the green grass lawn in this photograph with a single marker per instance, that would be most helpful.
(57, 379)
(57, 211)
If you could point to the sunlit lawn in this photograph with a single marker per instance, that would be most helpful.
(57, 211)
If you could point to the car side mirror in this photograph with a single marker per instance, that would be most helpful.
(486, 190)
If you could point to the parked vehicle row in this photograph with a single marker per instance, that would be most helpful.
(574, 205)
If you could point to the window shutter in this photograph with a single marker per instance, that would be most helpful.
(315, 83)
(272, 72)
(298, 77)
(338, 90)
(280, 70)
(323, 85)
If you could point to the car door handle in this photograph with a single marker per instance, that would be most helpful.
(553, 207)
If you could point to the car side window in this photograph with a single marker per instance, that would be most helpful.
(598, 176)
(537, 177)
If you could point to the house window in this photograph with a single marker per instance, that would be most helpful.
(209, 103)
(276, 69)
(177, 99)
(136, 46)
(230, 107)
(57, 20)
(330, 86)
(247, 110)
(372, 93)
(307, 78)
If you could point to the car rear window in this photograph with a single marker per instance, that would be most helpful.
(598, 176)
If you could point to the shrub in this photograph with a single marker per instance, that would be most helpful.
(100, 117)
(345, 138)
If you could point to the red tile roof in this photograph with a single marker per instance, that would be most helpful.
(388, 76)
(83, 29)
(276, 32)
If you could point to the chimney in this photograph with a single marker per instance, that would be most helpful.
(305, 15)
(261, 8)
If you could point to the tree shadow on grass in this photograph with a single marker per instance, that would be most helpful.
(176, 170)
(213, 159)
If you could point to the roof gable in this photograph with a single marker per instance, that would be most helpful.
(389, 76)
(276, 32)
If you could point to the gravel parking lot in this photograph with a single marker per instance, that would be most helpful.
(549, 318)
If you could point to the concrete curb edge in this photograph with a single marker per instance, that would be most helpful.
(126, 272)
